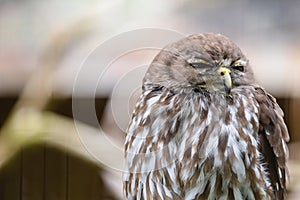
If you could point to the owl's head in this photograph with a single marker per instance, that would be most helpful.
(203, 61)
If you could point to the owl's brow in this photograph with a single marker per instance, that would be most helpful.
(175, 52)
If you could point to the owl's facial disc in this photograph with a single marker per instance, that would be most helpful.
(219, 75)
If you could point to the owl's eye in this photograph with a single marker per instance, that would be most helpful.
(199, 63)
(239, 68)
(239, 65)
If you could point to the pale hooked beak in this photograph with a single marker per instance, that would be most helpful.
(225, 74)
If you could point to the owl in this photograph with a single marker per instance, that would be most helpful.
(203, 129)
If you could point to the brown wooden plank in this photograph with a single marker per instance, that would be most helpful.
(85, 182)
(294, 125)
(7, 104)
(10, 180)
(79, 179)
(55, 174)
(100, 190)
(33, 173)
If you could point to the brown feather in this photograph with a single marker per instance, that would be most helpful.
(273, 135)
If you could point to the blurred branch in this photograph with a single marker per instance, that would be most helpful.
(27, 123)
(29, 126)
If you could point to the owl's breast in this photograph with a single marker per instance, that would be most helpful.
(220, 145)
(213, 126)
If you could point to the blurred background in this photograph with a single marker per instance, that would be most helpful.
(70, 72)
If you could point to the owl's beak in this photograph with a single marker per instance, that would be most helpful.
(225, 74)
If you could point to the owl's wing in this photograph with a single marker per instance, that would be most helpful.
(273, 135)
(150, 146)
